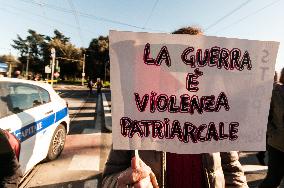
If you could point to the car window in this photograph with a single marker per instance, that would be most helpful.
(18, 97)
(5, 110)
(44, 95)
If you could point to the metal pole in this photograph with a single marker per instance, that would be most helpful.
(10, 65)
(164, 161)
(52, 64)
(28, 59)
(10, 70)
(105, 68)
(56, 66)
(105, 71)
(83, 70)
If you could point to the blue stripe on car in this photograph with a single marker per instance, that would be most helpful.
(33, 128)
(61, 114)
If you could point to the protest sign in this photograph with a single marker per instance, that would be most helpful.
(190, 94)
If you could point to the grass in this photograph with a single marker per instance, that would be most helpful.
(106, 84)
(72, 82)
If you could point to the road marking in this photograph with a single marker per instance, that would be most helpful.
(105, 103)
(106, 108)
(80, 108)
(85, 162)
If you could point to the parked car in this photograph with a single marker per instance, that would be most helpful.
(37, 116)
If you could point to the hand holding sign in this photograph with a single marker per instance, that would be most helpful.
(139, 175)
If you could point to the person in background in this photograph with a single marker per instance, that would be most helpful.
(17, 74)
(214, 170)
(37, 77)
(3, 74)
(10, 173)
(90, 86)
(261, 155)
(275, 137)
(99, 85)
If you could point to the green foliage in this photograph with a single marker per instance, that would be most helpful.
(97, 58)
(37, 48)
(9, 59)
(106, 84)
(73, 82)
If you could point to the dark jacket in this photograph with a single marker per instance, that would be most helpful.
(220, 169)
(90, 84)
(275, 128)
(10, 173)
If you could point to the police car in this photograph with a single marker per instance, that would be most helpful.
(37, 116)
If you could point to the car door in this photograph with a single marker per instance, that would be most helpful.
(29, 116)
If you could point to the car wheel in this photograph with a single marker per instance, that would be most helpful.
(57, 143)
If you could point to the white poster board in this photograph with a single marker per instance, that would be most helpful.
(190, 94)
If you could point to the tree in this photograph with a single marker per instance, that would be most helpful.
(58, 35)
(37, 47)
(97, 57)
(68, 56)
(31, 47)
(12, 62)
(10, 59)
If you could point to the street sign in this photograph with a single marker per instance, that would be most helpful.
(47, 69)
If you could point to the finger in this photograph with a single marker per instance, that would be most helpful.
(144, 183)
(154, 180)
(140, 173)
(152, 175)
(135, 162)
(140, 163)
(131, 176)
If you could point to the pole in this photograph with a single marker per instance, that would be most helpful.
(105, 68)
(10, 65)
(10, 70)
(28, 60)
(52, 65)
(56, 66)
(83, 70)
(105, 71)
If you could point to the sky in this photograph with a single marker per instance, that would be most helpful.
(83, 20)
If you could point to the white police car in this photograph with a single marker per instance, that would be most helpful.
(37, 116)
